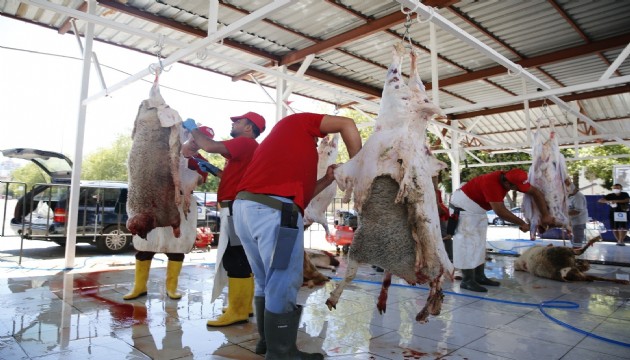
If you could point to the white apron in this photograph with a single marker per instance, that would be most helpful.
(161, 239)
(469, 241)
(220, 275)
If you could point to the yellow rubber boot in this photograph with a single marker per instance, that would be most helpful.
(240, 294)
(173, 268)
(140, 281)
(251, 306)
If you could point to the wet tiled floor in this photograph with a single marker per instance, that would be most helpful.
(51, 314)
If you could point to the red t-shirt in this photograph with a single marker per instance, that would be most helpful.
(485, 189)
(285, 163)
(241, 152)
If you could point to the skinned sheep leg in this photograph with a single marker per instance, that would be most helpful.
(351, 272)
(381, 305)
(433, 305)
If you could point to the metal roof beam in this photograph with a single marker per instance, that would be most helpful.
(181, 53)
(539, 103)
(540, 60)
(373, 26)
(541, 94)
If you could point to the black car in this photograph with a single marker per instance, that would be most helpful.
(41, 213)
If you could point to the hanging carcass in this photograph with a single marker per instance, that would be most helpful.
(548, 173)
(390, 179)
(316, 210)
(153, 165)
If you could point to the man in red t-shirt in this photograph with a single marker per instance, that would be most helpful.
(276, 188)
(232, 268)
(477, 196)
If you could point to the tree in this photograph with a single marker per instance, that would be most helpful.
(30, 174)
(599, 168)
(108, 163)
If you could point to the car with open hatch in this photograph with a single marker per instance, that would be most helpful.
(42, 212)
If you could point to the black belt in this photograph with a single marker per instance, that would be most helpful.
(225, 203)
(265, 200)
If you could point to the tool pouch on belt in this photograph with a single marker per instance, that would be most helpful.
(287, 235)
(234, 240)
(453, 221)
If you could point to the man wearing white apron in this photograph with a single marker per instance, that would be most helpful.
(471, 201)
(161, 239)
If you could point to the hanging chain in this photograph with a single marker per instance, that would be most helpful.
(406, 36)
(159, 67)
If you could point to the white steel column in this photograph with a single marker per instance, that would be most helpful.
(281, 112)
(435, 89)
(71, 225)
(455, 158)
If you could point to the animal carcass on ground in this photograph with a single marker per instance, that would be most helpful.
(548, 173)
(558, 263)
(390, 179)
(154, 183)
(314, 259)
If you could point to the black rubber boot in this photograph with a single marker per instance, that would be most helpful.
(448, 246)
(480, 276)
(281, 335)
(259, 305)
(469, 283)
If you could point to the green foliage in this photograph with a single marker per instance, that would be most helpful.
(30, 174)
(212, 182)
(598, 168)
(364, 131)
(108, 163)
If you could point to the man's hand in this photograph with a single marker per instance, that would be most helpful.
(189, 124)
(207, 167)
(524, 227)
(330, 172)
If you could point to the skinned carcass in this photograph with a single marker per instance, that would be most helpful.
(154, 183)
(548, 173)
(558, 263)
(315, 212)
(390, 179)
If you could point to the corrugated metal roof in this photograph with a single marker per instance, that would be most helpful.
(561, 42)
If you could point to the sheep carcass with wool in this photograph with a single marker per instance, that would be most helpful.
(558, 263)
(548, 173)
(154, 182)
(390, 179)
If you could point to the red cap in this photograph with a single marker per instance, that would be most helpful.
(253, 117)
(207, 131)
(518, 177)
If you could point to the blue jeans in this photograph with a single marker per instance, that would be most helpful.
(578, 234)
(257, 226)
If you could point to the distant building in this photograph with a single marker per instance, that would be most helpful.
(7, 167)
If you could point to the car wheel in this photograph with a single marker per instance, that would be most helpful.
(61, 243)
(114, 240)
(498, 221)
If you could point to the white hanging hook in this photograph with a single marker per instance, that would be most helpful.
(202, 54)
(519, 70)
(431, 14)
(160, 45)
(406, 36)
